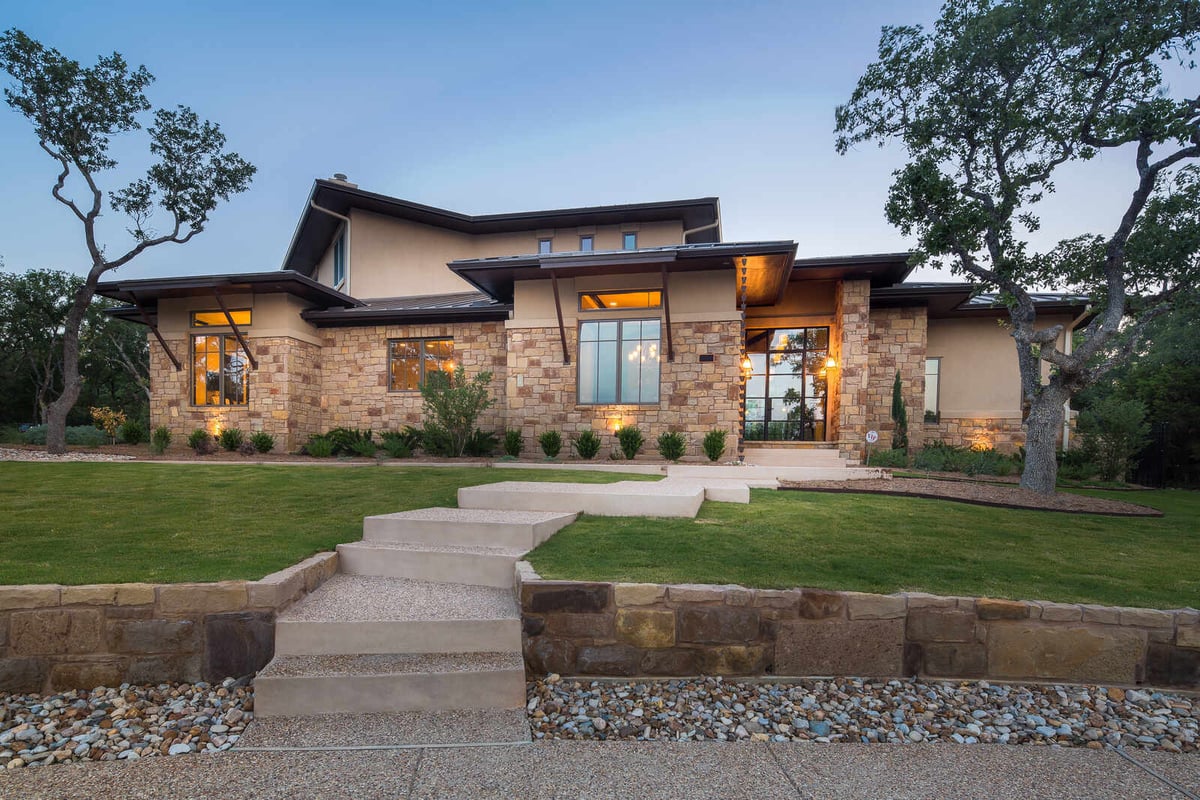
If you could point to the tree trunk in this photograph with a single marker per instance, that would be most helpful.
(1041, 441)
(56, 421)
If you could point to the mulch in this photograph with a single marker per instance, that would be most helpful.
(980, 493)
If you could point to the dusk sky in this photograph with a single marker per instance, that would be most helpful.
(499, 107)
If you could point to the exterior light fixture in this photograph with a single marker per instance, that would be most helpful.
(831, 363)
(747, 364)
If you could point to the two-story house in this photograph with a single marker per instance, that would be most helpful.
(587, 318)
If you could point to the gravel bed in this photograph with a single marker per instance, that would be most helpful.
(123, 723)
(855, 710)
(986, 493)
(21, 454)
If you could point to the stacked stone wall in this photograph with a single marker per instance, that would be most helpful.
(897, 342)
(694, 396)
(605, 629)
(852, 307)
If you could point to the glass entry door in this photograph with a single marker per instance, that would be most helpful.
(786, 392)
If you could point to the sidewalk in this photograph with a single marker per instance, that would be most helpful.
(630, 770)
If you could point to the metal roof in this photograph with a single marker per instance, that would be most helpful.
(455, 307)
(965, 299)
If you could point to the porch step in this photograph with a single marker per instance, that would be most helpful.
(762, 455)
(752, 474)
(621, 499)
(398, 729)
(466, 527)
(475, 566)
(353, 614)
(292, 685)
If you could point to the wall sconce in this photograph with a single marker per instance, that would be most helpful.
(831, 363)
(614, 424)
(747, 364)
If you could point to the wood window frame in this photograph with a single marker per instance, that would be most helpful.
(422, 340)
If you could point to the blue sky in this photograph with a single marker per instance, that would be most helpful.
(495, 107)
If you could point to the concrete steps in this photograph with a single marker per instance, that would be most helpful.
(621, 499)
(398, 729)
(472, 566)
(466, 527)
(761, 455)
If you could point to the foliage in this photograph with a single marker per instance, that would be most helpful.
(348, 441)
(109, 421)
(408, 435)
(996, 103)
(551, 443)
(630, 440)
(364, 449)
(1113, 431)
(899, 417)
(887, 458)
(481, 444)
(452, 405)
(262, 442)
(201, 442)
(514, 443)
(942, 457)
(714, 444)
(78, 435)
(133, 432)
(231, 439)
(672, 445)
(395, 446)
(246, 448)
(160, 440)
(75, 112)
(319, 447)
(587, 444)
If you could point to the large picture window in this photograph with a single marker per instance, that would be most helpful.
(220, 371)
(411, 360)
(787, 386)
(619, 361)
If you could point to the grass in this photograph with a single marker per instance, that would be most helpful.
(874, 543)
(76, 523)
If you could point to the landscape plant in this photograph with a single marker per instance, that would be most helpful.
(672, 445)
(481, 444)
(887, 458)
(364, 448)
(262, 441)
(630, 440)
(133, 432)
(995, 105)
(350, 441)
(514, 443)
(107, 420)
(587, 445)
(714, 444)
(246, 448)
(160, 440)
(78, 435)
(452, 404)
(1112, 431)
(231, 439)
(395, 447)
(550, 442)
(899, 417)
(319, 447)
(201, 442)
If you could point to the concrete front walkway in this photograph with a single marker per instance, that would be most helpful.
(690, 770)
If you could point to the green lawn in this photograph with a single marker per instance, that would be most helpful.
(875, 543)
(99, 523)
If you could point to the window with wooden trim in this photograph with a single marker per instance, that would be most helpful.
(614, 301)
(339, 261)
(216, 319)
(619, 361)
(220, 371)
(411, 360)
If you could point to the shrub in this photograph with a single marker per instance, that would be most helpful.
(200, 441)
(586, 445)
(133, 432)
(1112, 432)
(887, 458)
(551, 443)
(409, 436)
(513, 443)
(481, 444)
(160, 440)
(347, 441)
(631, 440)
(714, 444)
(396, 447)
(452, 405)
(671, 445)
(899, 416)
(263, 442)
(109, 421)
(231, 438)
(246, 448)
(435, 441)
(319, 447)
(78, 435)
(364, 448)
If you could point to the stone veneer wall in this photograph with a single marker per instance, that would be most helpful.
(694, 396)
(897, 341)
(354, 388)
(852, 306)
(78, 637)
(284, 392)
(605, 629)
(1005, 434)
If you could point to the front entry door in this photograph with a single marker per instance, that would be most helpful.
(786, 392)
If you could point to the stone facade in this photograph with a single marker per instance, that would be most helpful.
(694, 396)
(55, 637)
(896, 343)
(852, 307)
(605, 629)
(1005, 434)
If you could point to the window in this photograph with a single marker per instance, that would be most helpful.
(787, 388)
(587, 243)
(600, 301)
(630, 241)
(339, 261)
(933, 374)
(543, 246)
(207, 319)
(411, 360)
(619, 361)
(220, 371)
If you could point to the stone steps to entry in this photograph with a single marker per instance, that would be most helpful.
(384, 683)
(466, 527)
(361, 614)
(621, 499)
(472, 566)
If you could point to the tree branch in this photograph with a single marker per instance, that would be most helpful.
(62, 181)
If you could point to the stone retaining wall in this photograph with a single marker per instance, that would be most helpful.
(629, 629)
(78, 637)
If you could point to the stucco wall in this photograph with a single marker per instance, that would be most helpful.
(694, 297)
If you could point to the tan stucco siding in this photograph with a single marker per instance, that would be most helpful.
(271, 315)
(398, 258)
(978, 373)
(566, 240)
(324, 271)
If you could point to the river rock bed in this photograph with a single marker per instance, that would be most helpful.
(853, 710)
(122, 723)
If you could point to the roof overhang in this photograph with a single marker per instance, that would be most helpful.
(882, 269)
(768, 265)
(958, 300)
(316, 229)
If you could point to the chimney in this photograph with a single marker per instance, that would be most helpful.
(340, 177)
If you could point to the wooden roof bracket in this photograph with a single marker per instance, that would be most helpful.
(666, 299)
(562, 331)
(236, 332)
(154, 329)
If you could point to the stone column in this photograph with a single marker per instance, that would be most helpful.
(853, 311)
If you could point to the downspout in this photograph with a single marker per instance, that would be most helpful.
(702, 228)
(346, 221)
(1068, 348)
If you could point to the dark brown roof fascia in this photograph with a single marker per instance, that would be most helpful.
(338, 318)
(286, 281)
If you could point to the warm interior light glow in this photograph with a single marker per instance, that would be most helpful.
(747, 364)
(831, 363)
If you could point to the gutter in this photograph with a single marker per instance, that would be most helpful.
(345, 287)
(715, 224)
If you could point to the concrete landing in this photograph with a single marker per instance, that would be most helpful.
(751, 472)
(402, 729)
(621, 499)
(466, 527)
(472, 566)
